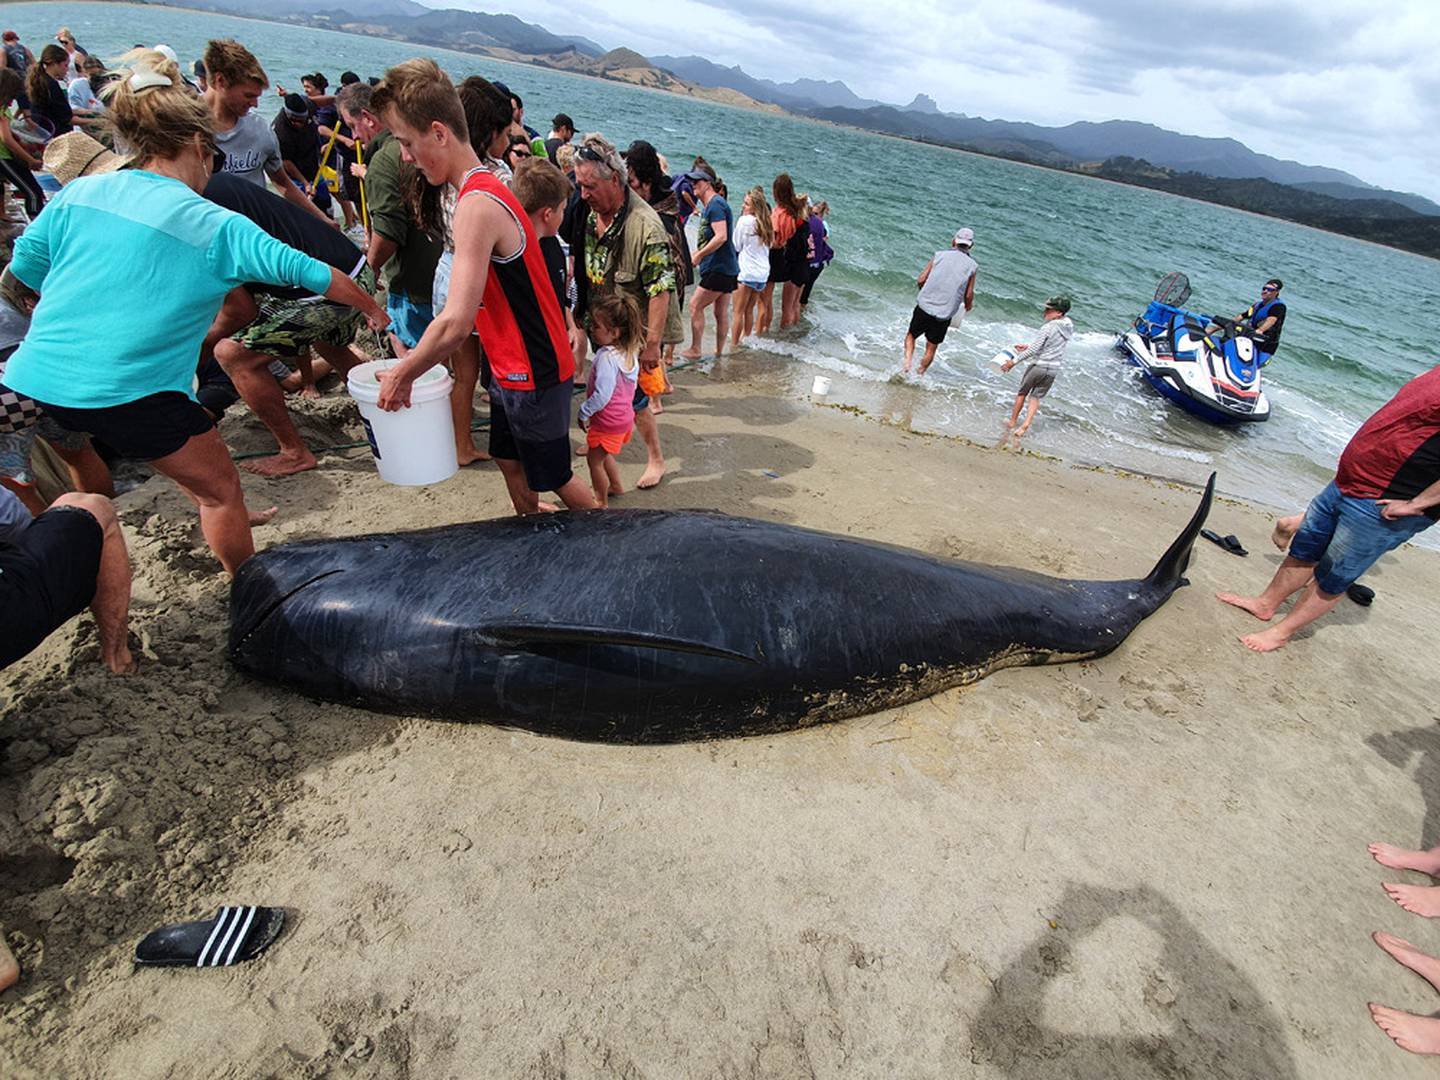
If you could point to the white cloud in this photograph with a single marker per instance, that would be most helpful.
(1326, 82)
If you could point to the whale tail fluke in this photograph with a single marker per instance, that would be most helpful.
(1169, 572)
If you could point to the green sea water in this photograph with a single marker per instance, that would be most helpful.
(1359, 320)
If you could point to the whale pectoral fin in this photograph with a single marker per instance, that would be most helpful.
(523, 633)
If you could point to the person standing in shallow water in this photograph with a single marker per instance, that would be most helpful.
(947, 291)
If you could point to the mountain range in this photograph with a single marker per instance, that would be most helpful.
(1082, 146)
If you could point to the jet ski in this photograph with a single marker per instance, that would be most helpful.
(1206, 364)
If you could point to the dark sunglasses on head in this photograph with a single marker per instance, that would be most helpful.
(587, 153)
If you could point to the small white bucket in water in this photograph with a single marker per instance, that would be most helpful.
(411, 446)
(821, 386)
(1001, 358)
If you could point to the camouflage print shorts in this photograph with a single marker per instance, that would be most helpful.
(289, 327)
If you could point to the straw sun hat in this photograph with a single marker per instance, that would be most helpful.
(76, 154)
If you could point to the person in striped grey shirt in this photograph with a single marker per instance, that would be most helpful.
(1045, 355)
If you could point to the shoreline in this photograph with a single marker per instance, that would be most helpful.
(807, 901)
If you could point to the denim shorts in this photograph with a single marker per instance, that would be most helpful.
(1344, 536)
(408, 319)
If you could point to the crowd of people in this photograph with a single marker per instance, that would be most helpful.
(269, 253)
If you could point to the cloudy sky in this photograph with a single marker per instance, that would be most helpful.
(1327, 82)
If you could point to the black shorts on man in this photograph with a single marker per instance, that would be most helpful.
(533, 427)
(923, 323)
(48, 569)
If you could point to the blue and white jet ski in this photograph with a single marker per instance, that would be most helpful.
(1206, 364)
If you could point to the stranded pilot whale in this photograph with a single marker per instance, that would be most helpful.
(657, 625)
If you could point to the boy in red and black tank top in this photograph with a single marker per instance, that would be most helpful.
(498, 285)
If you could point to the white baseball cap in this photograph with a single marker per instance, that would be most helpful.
(965, 237)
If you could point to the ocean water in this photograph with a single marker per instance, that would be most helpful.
(1359, 320)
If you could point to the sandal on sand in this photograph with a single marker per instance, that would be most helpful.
(1230, 543)
(234, 935)
(1361, 594)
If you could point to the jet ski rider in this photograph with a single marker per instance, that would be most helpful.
(1265, 319)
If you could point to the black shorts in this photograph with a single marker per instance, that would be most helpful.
(47, 576)
(923, 323)
(151, 427)
(719, 283)
(533, 427)
(779, 266)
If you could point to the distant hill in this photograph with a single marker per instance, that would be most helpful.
(800, 94)
(1417, 203)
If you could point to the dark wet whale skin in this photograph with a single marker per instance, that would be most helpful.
(657, 626)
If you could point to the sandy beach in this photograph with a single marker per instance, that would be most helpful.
(1148, 865)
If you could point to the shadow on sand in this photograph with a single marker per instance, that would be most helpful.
(1216, 1023)
(1401, 747)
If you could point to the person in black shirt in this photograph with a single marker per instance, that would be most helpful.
(288, 322)
(299, 139)
(1265, 320)
(48, 99)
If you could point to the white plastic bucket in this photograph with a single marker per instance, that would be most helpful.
(411, 446)
(821, 386)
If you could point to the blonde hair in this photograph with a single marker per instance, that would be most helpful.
(159, 121)
(421, 94)
(233, 62)
(539, 185)
(565, 157)
(764, 227)
(621, 312)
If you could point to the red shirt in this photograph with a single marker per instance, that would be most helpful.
(1396, 453)
(520, 322)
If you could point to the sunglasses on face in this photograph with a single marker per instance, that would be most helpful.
(1268, 288)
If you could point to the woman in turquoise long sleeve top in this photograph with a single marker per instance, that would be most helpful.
(131, 269)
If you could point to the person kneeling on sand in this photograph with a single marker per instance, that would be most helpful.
(1045, 354)
(54, 566)
(1386, 490)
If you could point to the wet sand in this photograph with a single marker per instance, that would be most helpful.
(1152, 864)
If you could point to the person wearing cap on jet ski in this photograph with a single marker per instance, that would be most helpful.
(1263, 320)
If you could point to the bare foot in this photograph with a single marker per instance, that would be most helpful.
(1427, 967)
(547, 507)
(616, 491)
(655, 406)
(651, 477)
(691, 354)
(582, 450)
(260, 517)
(1020, 431)
(1009, 424)
(1251, 604)
(470, 456)
(9, 969)
(1285, 530)
(1416, 899)
(1398, 858)
(281, 464)
(1418, 1034)
(310, 390)
(1265, 640)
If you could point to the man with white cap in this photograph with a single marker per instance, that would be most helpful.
(947, 291)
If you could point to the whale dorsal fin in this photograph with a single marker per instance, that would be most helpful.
(544, 633)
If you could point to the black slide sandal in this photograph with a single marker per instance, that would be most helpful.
(1361, 594)
(1230, 543)
(234, 935)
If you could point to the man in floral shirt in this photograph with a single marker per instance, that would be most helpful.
(621, 245)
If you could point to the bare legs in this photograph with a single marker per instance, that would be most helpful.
(650, 433)
(111, 605)
(9, 969)
(704, 298)
(203, 470)
(573, 493)
(1015, 414)
(1292, 576)
(790, 304)
(766, 307)
(88, 471)
(1285, 530)
(249, 371)
(745, 298)
(928, 358)
(604, 475)
(465, 365)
